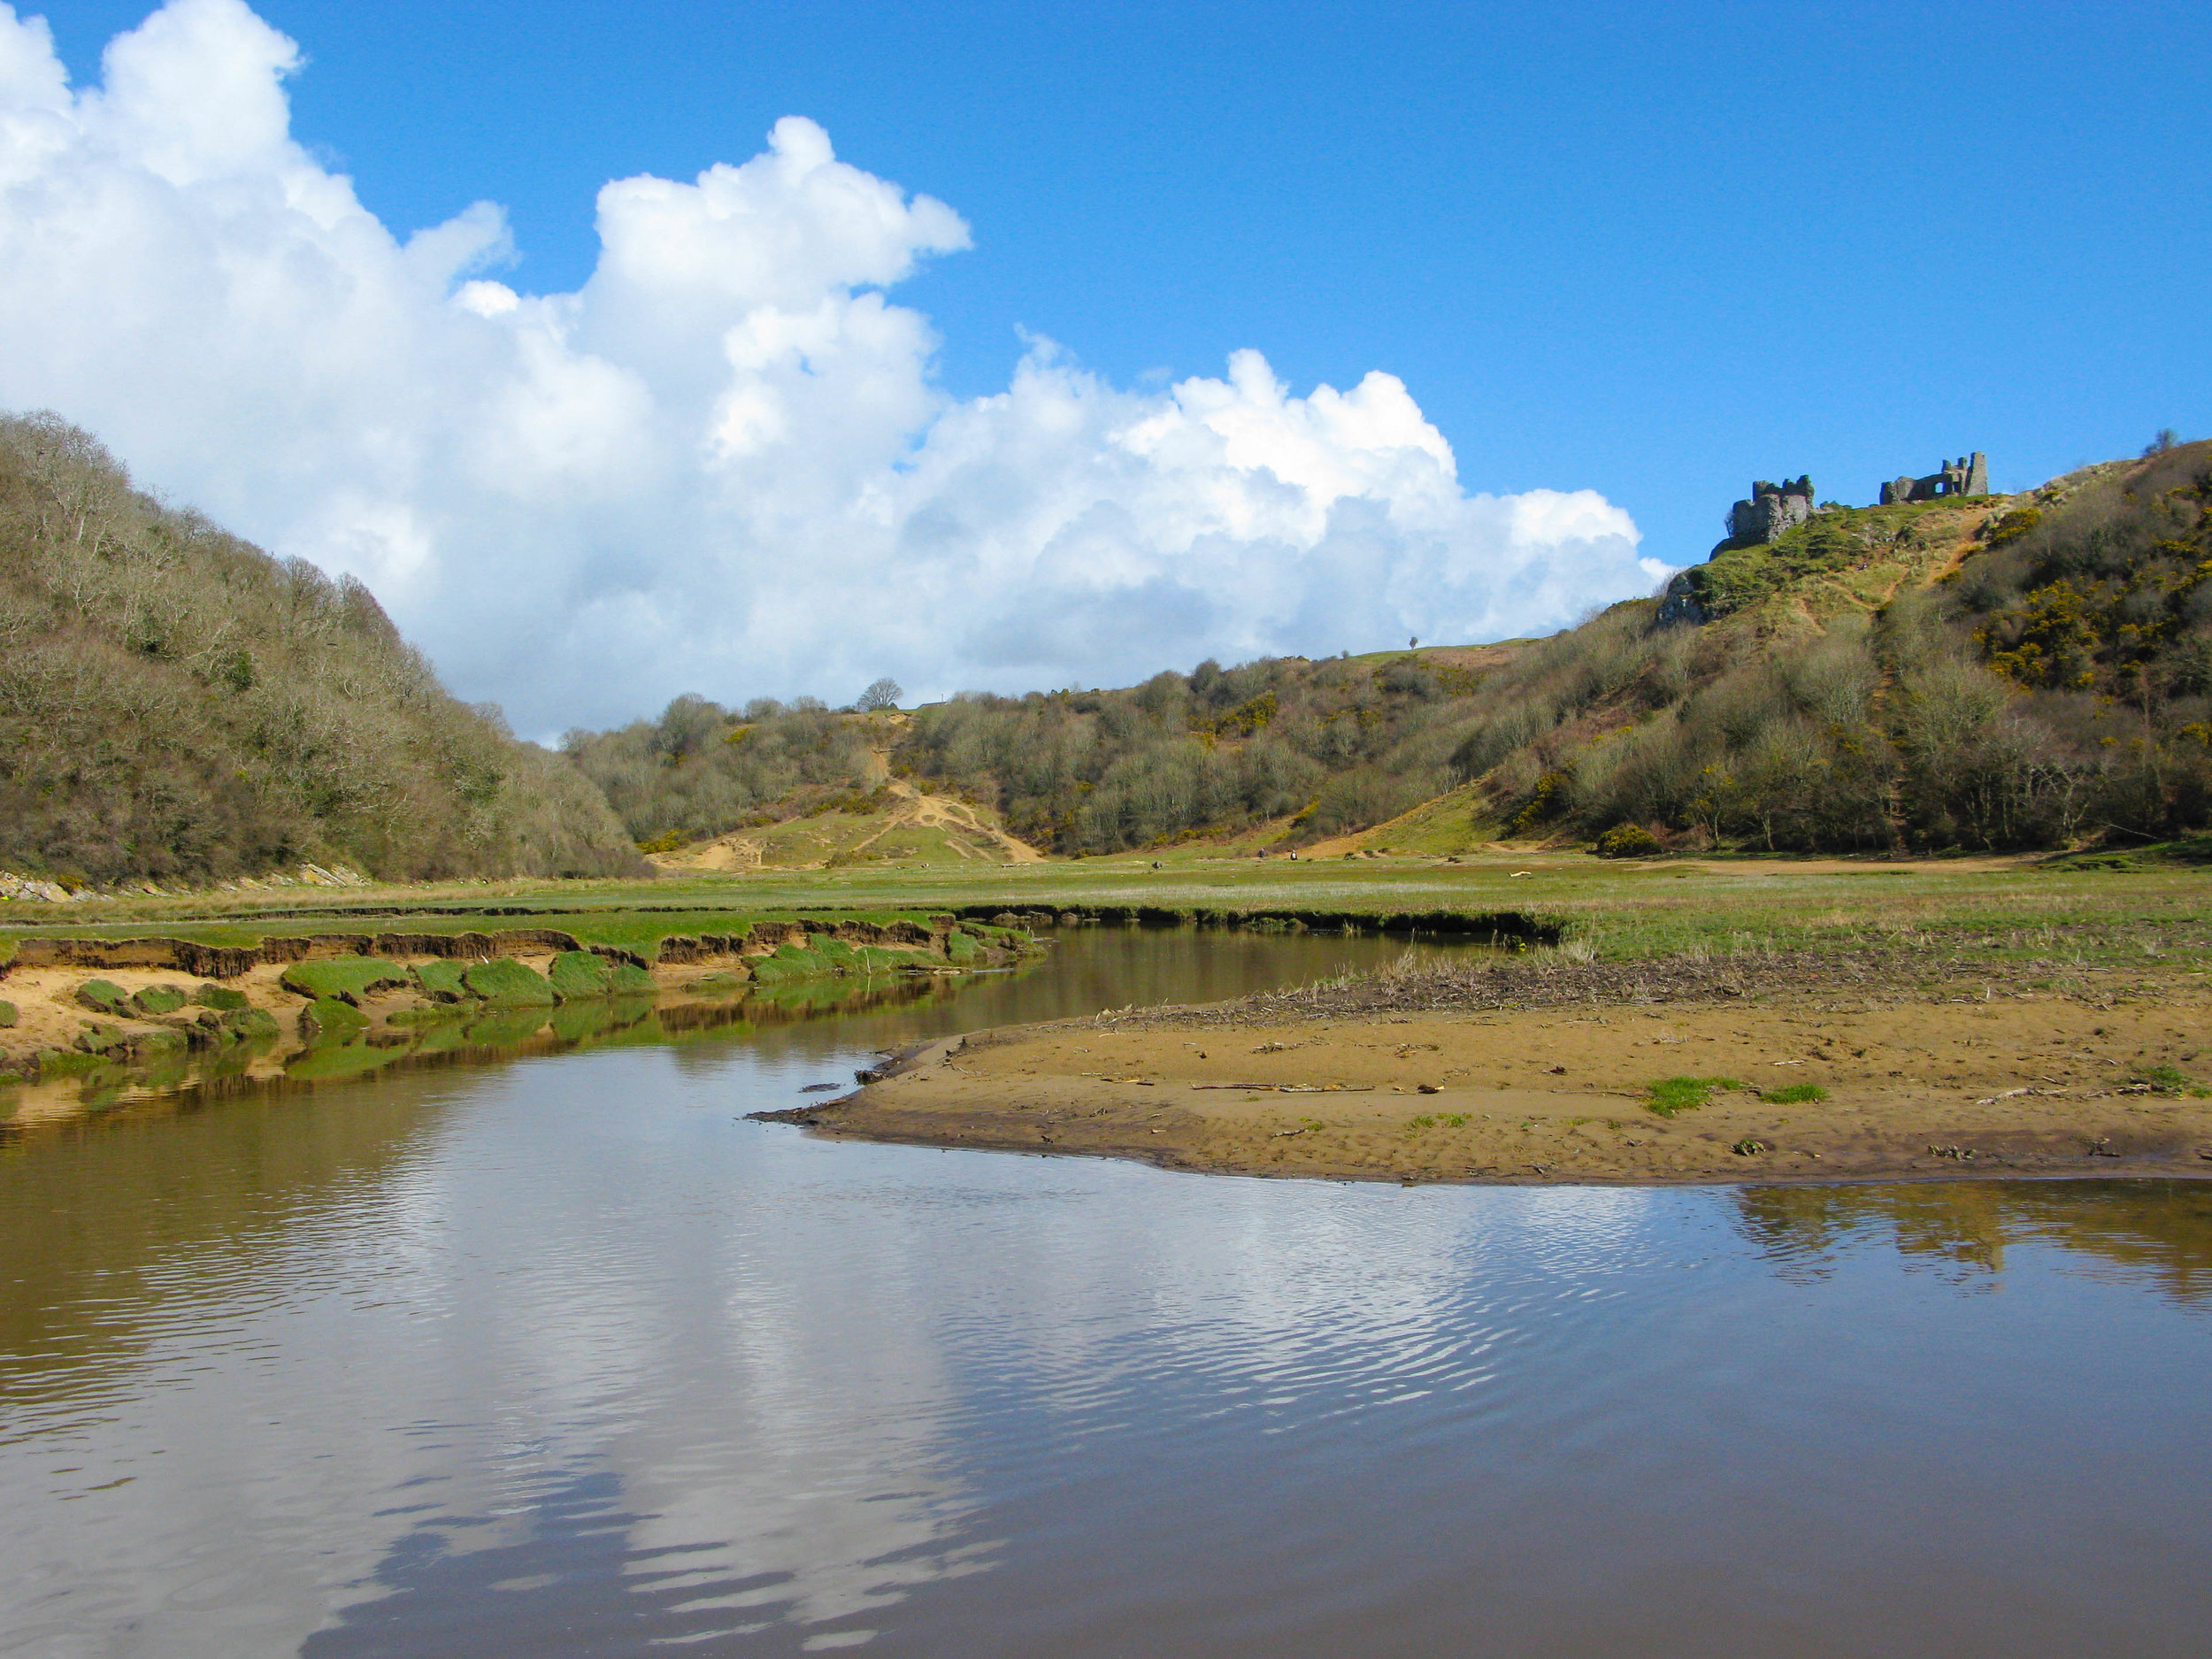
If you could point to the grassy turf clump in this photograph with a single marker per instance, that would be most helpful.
(792, 962)
(882, 959)
(251, 1023)
(577, 974)
(345, 978)
(1794, 1095)
(440, 981)
(158, 999)
(509, 983)
(105, 996)
(104, 1039)
(586, 974)
(1673, 1094)
(327, 1019)
(221, 998)
(7, 1015)
(627, 979)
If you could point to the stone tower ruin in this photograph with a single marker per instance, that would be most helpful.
(1772, 509)
(1968, 475)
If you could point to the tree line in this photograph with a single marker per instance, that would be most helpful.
(175, 704)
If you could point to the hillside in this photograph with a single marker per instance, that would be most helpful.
(1976, 673)
(1971, 672)
(175, 705)
(1989, 672)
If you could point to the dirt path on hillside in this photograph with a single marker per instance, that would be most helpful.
(911, 809)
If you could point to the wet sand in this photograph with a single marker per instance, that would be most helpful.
(1972, 1080)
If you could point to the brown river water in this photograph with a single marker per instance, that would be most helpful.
(551, 1354)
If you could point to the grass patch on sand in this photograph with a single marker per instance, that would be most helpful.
(1671, 1096)
(2171, 1079)
(1793, 1095)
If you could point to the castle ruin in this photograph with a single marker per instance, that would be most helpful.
(1968, 475)
(1772, 509)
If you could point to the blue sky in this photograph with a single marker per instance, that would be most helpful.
(1651, 250)
(1610, 262)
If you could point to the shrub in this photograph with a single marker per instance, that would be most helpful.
(1629, 841)
(509, 983)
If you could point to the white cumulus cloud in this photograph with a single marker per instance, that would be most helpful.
(724, 463)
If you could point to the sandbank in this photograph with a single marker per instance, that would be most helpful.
(1545, 1075)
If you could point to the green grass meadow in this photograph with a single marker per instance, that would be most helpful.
(2009, 913)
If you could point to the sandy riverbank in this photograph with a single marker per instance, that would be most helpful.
(1966, 1078)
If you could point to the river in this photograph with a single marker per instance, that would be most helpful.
(556, 1354)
